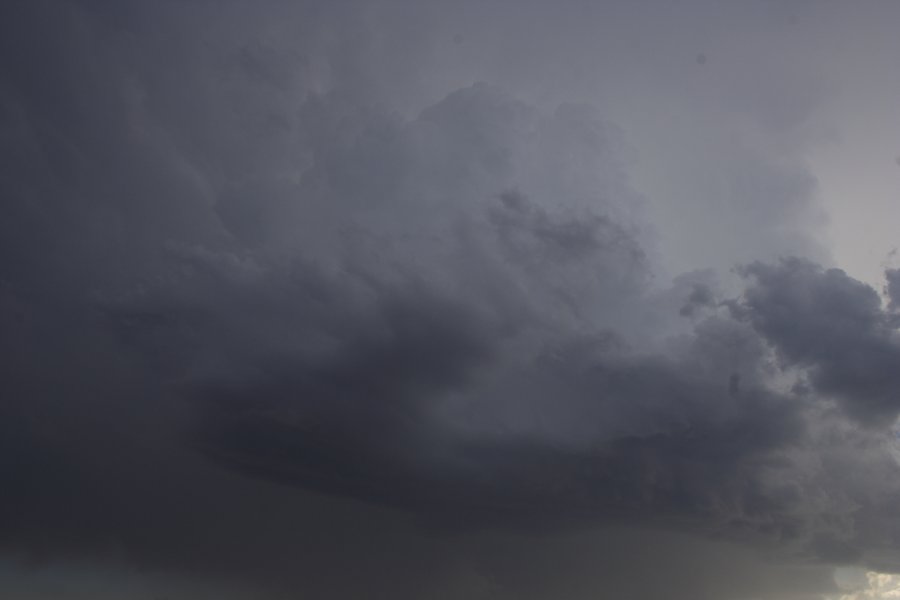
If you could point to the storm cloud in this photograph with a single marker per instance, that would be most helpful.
(425, 301)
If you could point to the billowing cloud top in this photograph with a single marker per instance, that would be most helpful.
(430, 301)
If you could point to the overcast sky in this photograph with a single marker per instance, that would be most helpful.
(449, 300)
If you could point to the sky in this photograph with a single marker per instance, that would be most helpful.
(449, 300)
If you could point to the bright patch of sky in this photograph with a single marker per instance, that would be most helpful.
(878, 586)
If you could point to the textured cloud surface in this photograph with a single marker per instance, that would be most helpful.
(382, 300)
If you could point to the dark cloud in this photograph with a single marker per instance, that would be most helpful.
(286, 297)
(701, 297)
(834, 326)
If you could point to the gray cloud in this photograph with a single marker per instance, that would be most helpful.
(835, 326)
(893, 287)
(287, 295)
